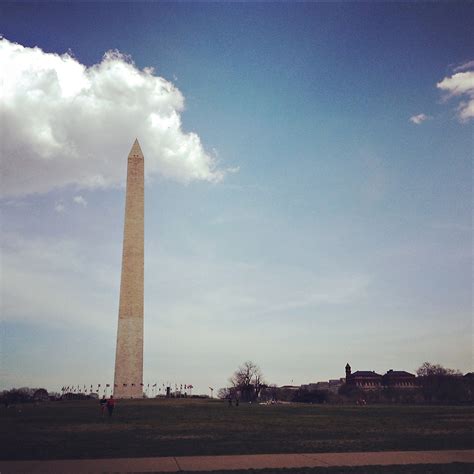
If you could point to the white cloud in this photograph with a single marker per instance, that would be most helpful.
(461, 84)
(80, 201)
(464, 66)
(418, 119)
(59, 207)
(68, 124)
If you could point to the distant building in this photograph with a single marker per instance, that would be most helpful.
(370, 380)
(316, 386)
(332, 385)
(363, 379)
(336, 384)
(399, 379)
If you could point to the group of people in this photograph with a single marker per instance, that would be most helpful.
(108, 403)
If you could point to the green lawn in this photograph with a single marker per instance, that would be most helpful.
(75, 429)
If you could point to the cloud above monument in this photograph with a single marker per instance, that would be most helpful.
(419, 119)
(65, 123)
(461, 85)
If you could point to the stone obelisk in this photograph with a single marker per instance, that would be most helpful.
(128, 380)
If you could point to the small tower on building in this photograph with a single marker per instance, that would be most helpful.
(348, 371)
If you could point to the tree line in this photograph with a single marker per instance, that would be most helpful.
(434, 384)
(26, 395)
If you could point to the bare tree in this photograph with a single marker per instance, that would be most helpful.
(427, 369)
(224, 393)
(439, 384)
(248, 380)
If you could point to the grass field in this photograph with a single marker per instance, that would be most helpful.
(75, 429)
(453, 468)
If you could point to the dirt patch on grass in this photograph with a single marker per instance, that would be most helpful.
(97, 427)
(173, 437)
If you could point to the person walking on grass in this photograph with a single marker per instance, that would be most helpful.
(110, 405)
(102, 402)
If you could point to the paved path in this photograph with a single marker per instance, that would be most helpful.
(245, 461)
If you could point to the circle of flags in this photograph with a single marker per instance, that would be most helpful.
(150, 389)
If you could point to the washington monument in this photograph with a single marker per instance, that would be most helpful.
(128, 380)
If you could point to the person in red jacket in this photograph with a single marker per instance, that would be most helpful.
(111, 405)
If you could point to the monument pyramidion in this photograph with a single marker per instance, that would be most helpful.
(128, 380)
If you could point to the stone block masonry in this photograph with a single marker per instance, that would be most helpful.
(128, 380)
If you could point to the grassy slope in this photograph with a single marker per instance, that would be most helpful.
(181, 427)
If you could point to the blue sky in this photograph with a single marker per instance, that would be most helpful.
(307, 223)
